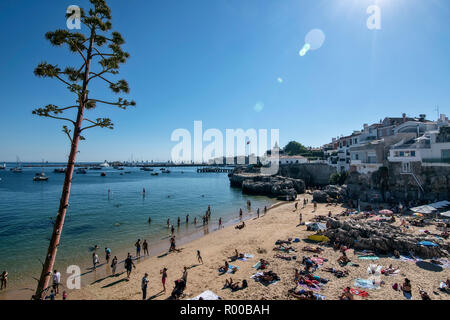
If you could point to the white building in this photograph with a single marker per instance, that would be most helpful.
(431, 149)
(292, 159)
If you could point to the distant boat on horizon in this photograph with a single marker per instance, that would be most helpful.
(80, 171)
(3, 167)
(104, 164)
(17, 169)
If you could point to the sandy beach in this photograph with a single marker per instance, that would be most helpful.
(280, 223)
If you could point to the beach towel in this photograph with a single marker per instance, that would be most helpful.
(407, 258)
(230, 268)
(313, 287)
(247, 256)
(365, 283)
(207, 295)
(359, 292)
(444, 263)
(317, 260)
(257, 265)
(368, 257)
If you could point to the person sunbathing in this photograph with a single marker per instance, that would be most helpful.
(406, 286)
(235, 286)
(337, 273)
(224, 268)
(389, 270)
(424, 295)
(268, 276)
(280, 242)
(346, 295)
(302, 294)
(236, 256)
(309, 263)
(288, 258)
(263, 264)
(240, 226)
(310, 249)
(343, 260)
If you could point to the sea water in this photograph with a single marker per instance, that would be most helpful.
(110, 211)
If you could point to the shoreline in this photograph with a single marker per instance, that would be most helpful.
(280, 223)
(156, 248)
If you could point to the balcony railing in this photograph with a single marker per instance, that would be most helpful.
(436, 160)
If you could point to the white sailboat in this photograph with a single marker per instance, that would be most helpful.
(41, 175)
(17, 169)
(104, 164)
(3, 167)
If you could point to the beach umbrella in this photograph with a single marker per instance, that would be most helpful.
(446, 214)
(416, 214)
(386, 211)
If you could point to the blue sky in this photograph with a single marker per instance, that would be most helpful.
(214, 60)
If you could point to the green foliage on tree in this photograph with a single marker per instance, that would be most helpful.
(338, 178)
(295, 148)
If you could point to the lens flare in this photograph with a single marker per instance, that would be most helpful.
(258, 107)
(280, 80)
(315, 38)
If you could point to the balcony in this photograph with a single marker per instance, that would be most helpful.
(436, 160)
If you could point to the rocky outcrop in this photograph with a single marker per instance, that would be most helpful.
(434, 179)
(330, 193)
(382, 238)
(273, 186)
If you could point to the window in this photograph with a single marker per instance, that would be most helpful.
(413, 153)
(402, 153)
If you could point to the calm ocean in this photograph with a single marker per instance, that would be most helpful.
(93, 218)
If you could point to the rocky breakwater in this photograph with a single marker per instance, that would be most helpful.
(272, 186)
(330, 193)
(382, 238)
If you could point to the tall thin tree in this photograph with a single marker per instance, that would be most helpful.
(99, 45)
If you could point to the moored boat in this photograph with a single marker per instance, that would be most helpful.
(59, 170)
(80, 171)
(40, 177)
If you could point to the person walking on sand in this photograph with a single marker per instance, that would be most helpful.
(145, 247)
(300, 216)
(4, 279)
(114, 266)
(265, 209)
(315, 205)
(107, 255)
(138, 248)
(95, 260)
(129, 265)
(144, 285)
(185, 274)
(164, 278)
(56, 281)
(296, 205)
(195, 220)
(257, 212)
(199, 257)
